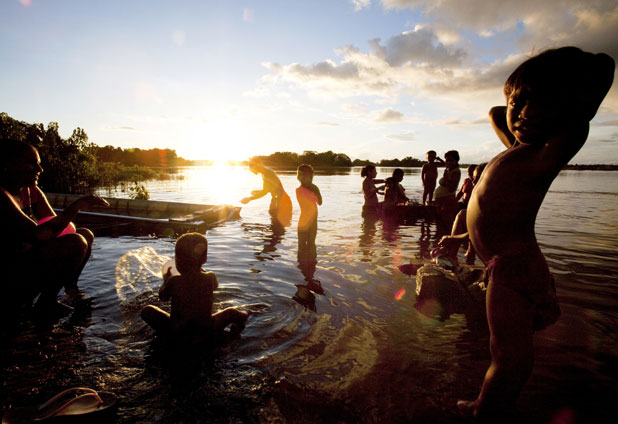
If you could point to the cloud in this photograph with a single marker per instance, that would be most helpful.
(405, 136)
(390, 115)
(120, 128)
(464, 123)
(540, 24)
(327, 124)
(360, 4)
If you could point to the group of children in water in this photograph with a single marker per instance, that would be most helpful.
(550, 100)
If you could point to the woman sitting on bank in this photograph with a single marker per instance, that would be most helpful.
(39, 256)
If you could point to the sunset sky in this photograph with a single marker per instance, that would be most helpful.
(230, 79)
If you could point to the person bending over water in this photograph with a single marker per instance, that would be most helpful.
(280, 204)
(370, 191)
(38, 259)
(550, 100)
(192, 296)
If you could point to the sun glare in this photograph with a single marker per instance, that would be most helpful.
(221, 141)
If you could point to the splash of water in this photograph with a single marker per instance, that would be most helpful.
(138, 271)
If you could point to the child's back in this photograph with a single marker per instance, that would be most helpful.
(192, 296)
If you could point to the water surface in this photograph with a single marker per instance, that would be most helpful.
(353, 354)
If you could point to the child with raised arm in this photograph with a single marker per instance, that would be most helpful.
(429, 175)
(192, 296)
(309, 197)
(550, 100)
(370, 191)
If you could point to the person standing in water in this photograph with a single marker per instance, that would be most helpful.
(280, 204)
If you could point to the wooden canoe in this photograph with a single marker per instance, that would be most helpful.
(145, 217)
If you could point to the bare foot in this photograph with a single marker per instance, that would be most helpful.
(468, 408)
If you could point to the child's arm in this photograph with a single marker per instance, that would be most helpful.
(423, 174)
(164, 290)
(497, 117)
(316, 190)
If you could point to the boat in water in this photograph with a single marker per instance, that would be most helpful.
(146, 217)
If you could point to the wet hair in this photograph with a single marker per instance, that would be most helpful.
(366, 169)
(305, 169)
(397, 176)
(454, 154)
(12, 149)
(432, 152)
(566, 75)
(471, 169)
(191, 252)
(255, 162)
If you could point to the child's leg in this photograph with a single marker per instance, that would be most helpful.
(510, 318)
(157, 318)
(228, 316)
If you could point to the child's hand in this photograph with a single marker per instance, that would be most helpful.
(245, 200)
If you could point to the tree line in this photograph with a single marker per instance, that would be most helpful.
(75, 165)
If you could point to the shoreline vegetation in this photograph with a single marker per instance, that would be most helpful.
(75, 165)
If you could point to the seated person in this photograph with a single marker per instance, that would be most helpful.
(394, 193)
(41, 252)
(192, 295)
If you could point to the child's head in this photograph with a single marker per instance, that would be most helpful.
(477, 172)
(369, 171)
(255, 165)
(304, 173)
(471, 169)
(451, 158)
(191, 252)
(398, 175)
(555, 87)
(431, 156)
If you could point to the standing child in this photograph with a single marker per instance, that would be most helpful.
(429, 175)
(309, 197)
(444, 196)
(370, 191)
(550, 100)
(192, 296)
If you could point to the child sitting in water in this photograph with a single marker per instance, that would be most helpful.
(395, 194)
(370, 191)
(309, 197)
(550, 100)
(192, 296)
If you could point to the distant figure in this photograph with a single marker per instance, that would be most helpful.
(41, 252)
(449, 245)
(280, 204)
(444, 196)
(466, 188)
(429, 175)
(370, 191)
(395, 194)
(550, 100)
(309, 197)
(192, 296)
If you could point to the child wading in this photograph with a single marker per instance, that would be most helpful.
(550, 100)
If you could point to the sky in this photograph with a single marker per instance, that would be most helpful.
(229, 79)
